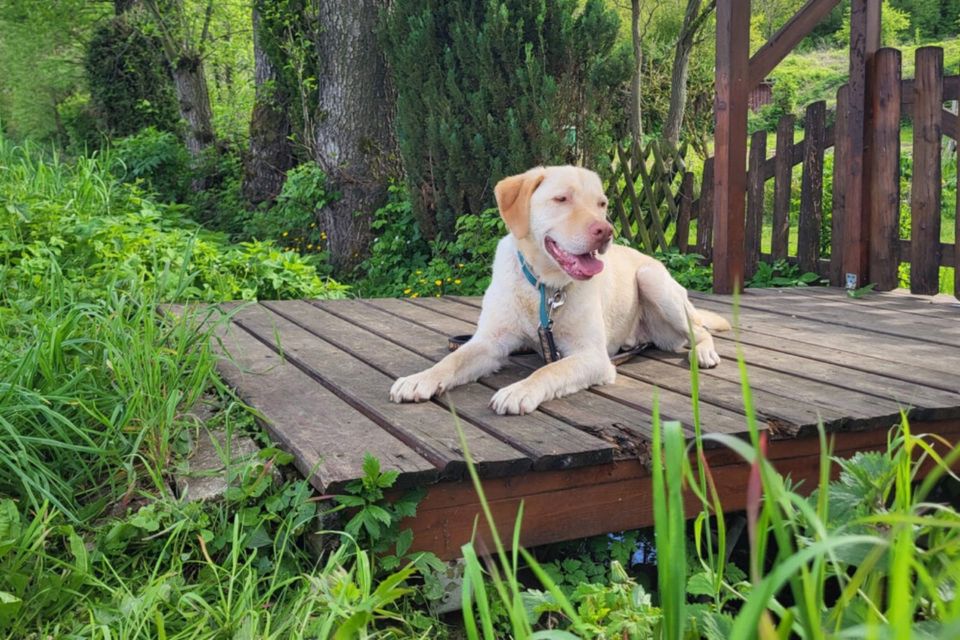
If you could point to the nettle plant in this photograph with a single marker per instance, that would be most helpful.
(375, 520)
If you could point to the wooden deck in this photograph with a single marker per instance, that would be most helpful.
(319, 373)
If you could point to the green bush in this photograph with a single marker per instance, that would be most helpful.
(488, 89)
(404, 263)
(155, 159)
(292, 220)
(129, 80)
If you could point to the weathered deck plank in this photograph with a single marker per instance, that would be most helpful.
(547, 442)
(426, 427)
(266, 381)
(319, 373)
(835, 313)
(636, 392)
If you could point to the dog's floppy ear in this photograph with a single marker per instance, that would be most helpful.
(513, 199)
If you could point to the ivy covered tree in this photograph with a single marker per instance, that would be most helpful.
(129, 80)
(486, 88)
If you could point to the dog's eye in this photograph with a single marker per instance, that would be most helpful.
(560, 198)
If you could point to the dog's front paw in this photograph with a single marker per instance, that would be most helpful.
(707, 356)
(416, 388)
(518, 399)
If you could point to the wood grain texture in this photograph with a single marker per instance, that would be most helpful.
(427, 428)
(811, 189)
(584, 502)
(782, 181)
(786, 38)
(840, 153)
(755, 192)
(316, 426)
(883, 183)
(926, 183)
(732, 82)
(547, 441)
(856, 217)
(705, 207)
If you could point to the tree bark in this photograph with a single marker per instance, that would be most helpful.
(194, 100)
(189, 77)
(353, 134)
(636, 109)
(271, 152)
(693, 19)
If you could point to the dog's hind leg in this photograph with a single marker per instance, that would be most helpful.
(668, 316)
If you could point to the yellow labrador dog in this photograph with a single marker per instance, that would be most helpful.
(558, 265)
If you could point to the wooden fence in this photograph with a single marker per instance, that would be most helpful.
(654, 199)
(921, 99)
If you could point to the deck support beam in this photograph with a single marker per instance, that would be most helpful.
(730, 143)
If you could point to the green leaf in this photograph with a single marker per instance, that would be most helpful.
(371, 467)
(388, 478)
(9, 525)
(404, 540)
(9, 608)
(700, 584)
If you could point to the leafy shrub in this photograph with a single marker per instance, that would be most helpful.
(292, 220)
(129, 79)
(403, 262)
(155, 159)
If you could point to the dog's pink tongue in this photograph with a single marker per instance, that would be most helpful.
(588, 265)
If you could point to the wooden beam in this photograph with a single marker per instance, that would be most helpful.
(883, 151)
(575, 503)
(856, 229)
(926, 184)
(789, 36)
(730, 143)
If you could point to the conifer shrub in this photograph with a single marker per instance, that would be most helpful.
(488, 88)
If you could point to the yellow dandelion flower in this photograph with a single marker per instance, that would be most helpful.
(415, 295)
(437, 295)
(285, 234)
(406, 292)
(313, 224)
(418, 272)
(460, 265)
(309, 246)
(438, 282)
(323, 235)
(457, 281)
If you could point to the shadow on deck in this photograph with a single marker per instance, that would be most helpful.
(580, 463)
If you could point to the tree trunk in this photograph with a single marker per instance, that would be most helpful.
(693, 19)
(271, 152)
(353, 131)
(636, 110)
(194, 100)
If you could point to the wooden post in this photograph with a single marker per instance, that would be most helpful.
(840, 154)
(811, 189)
(730, 143)
(705, 213)
(925, 187)
(755, 189)
(883, 163)
(683, 217)
(782, 184)
(864, 25)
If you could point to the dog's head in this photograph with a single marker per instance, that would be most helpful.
(560, 212)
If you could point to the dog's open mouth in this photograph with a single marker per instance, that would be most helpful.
(579, 267)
